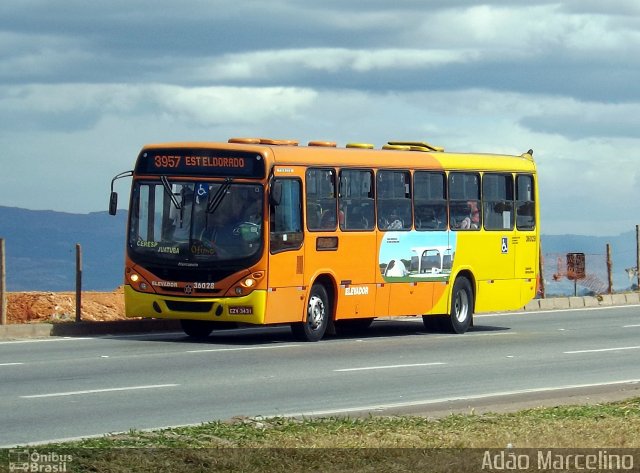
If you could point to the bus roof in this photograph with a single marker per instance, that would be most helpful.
(399, 155)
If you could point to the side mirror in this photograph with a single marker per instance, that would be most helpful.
(113, 203)
(276, 193)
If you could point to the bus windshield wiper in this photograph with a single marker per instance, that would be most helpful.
(167, 188)
(219, 196)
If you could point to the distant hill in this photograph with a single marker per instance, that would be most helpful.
(40, 248)
(40, 251)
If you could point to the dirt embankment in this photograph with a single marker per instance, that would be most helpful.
(34, 307)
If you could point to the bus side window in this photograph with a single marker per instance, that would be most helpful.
(464, 201)
(497, 199)
(321, 199)
(356, 200)
(394, 200)
(430, 200)
(286, 218)
(525, 204)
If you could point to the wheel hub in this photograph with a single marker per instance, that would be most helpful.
(315, 314)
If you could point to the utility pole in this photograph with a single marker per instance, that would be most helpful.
(609, 270)
(3, 286)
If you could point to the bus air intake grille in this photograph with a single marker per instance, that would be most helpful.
(183, 306)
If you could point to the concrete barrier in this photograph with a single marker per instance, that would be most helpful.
(25, 331)
(591, 301)
(115, 327)
(573, 302)
(632, 298)
(533, 305)
(74, 329)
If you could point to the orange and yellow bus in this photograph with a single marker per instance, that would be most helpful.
(325, 238)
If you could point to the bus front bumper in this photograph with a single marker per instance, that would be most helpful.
(249, 309)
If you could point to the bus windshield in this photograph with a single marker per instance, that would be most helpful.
(196, 222)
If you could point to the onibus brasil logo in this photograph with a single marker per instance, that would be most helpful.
(27, 460)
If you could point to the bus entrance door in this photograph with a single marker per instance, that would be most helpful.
(286, 293)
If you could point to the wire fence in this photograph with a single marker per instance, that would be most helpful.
(560, 277)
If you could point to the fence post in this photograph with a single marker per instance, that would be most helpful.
(78, 282)
(638, 256)
(3, 286)
(541, 273)
(609, 270)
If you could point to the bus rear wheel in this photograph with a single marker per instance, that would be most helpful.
(459, 319)
(198, 329)
(316, 318)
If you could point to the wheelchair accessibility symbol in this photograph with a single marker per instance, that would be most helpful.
(505, 245)
(202, 192)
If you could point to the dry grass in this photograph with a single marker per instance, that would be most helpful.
(363, 444)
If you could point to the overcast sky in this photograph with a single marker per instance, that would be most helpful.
(83, 85)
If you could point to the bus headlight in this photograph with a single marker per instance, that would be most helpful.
(139, 283)
(246, 285)
(249, 282)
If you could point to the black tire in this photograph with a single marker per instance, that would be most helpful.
(461, 314)
(198, 329)
(317, 316)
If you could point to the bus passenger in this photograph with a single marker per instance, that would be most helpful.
(472, 221)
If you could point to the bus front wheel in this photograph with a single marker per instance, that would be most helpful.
(316, 318)
(459, 319)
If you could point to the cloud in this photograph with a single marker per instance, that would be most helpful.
(587, 120)
(97, 80)
(228, 105)
(277, 65)
(80, 106)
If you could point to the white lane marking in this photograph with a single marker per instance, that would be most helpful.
(377, 407)
(365, 368)
(144, 335)
(215, 350)
(11, 364)
(96, 391)
(43, 340)
(496, 334)
(630, 326)
(427, 402)
(550, 311)
(600, 350)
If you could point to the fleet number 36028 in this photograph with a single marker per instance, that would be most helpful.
(203, 285)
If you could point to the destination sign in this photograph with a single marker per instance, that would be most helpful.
(200, 162)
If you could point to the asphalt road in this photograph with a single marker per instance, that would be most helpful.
(62, 388)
